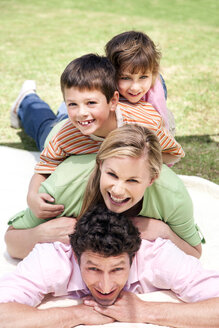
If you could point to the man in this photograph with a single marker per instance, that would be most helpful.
(109, 264)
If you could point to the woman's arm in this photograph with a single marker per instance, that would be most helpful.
(152, 228)
(20, 242)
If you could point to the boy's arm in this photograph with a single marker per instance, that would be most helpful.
(24, 316)
(151, 229)
(39, 202)
(20, 242)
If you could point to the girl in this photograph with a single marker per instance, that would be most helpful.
(128, 177)
(137, 63)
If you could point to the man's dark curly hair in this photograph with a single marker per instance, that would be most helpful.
(104, 232)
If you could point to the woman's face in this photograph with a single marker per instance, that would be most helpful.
(123, 182)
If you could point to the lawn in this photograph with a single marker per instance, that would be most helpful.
(39, 38)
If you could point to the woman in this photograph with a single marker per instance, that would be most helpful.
(128, 178)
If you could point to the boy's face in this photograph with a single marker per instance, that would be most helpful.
(134, 86)
(104, 276)
(89, 111)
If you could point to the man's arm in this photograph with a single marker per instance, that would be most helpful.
(129, 308)
(24, 316)
(39, 202)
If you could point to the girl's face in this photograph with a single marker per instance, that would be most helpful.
(123, 182)
(134, 86)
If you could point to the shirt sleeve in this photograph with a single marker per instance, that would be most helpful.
(183, 274)
(156, 97)
(68, 141)
(167, 141)
(40, 273)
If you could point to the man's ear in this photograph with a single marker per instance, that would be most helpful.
(114, 101)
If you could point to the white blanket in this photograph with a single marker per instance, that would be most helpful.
(16, 169)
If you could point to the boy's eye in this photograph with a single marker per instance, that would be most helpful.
(91, 103)
(72, 104)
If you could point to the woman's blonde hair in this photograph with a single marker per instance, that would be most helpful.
(128, 140)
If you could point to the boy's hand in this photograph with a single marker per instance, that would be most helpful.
(39, 205)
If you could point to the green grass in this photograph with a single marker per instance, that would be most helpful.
(39, 38)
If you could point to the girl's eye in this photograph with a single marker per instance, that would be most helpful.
(144, 77)
(124, 78)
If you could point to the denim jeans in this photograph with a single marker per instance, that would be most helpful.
(37, 118)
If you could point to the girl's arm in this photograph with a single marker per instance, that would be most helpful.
(20, 242)
(152, 228)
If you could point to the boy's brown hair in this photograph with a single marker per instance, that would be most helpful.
(133, 51)
(90, 72)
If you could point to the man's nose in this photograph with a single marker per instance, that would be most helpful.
(105, 284)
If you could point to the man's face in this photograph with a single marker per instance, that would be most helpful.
(104, 276)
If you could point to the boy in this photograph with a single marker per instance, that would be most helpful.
(89, 90)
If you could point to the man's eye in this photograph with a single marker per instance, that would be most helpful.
(117, 269)
(93, 269)
(92, 103)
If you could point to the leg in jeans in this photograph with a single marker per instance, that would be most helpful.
(37, 118)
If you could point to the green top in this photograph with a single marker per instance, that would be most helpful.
(166, 199)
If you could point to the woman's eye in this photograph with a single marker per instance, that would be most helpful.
(133, 180)
(112, 174)
(124, 78)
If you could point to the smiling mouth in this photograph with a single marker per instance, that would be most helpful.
(118, 201)
(86, 123)
(135, 95)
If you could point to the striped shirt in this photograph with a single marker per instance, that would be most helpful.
(69, 139)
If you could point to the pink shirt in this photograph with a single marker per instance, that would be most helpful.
(156, 97)
(51, 268)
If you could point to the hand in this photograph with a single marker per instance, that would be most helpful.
(38, 203)
(150, 228)
(127, 308)
(55, 230)
(88, 316)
